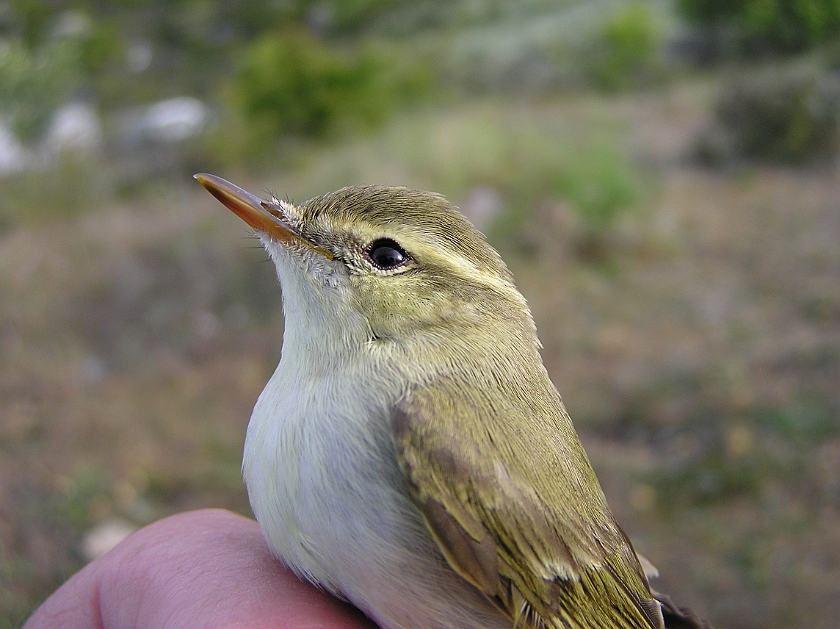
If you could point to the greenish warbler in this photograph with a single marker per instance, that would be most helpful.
(410, 453)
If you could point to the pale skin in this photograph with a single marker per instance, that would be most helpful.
(208, 569)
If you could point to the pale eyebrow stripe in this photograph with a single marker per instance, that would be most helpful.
(469, 271)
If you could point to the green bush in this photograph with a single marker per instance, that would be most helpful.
(781, 25)
(600, 187)
(625, 50)
(783, 117)
(293, 83)
(34, 83)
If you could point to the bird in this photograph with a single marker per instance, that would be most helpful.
(410, 453)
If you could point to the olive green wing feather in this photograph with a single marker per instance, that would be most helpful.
(516, 509)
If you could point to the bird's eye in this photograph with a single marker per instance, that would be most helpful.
(386, 254)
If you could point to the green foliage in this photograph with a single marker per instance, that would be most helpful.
(39, 72)
(806, 422)
(87, 492)
(600, 186)
(787, 117)
(100, 48)
(34, 83)
(29, 19)
(625, 50)
(783, 25)
(193, 44)
(710, 11)
(293, 83)
(349, 15)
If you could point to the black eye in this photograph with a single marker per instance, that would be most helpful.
(386, 254)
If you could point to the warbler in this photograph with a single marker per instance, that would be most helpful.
(410, 453)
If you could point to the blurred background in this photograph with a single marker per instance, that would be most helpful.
(662, 178)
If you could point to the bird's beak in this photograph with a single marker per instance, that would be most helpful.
(261, 215)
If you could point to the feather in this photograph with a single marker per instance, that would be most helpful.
(507, 527)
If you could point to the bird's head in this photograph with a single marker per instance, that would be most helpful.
(377, 263)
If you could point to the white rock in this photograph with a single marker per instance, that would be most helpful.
(102, 538)
(74, 127)
(13, 156)
(168, 121)
(138, 56)
(176, 119)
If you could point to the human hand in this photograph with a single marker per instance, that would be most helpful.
(207, 569)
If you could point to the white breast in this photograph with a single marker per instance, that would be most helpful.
(322, 473)
(325, 485)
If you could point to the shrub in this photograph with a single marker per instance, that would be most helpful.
(783, 117)
(293, 83)
(776, 25)
(600, 187)
(34, 84)
(625, 50)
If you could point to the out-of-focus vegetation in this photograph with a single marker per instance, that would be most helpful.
(785, 113)
(760, 26)
(671, 214)
(291, 83)
(627, 50)
(33, 83)
(778, 115)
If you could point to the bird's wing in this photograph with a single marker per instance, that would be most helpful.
(517, 510)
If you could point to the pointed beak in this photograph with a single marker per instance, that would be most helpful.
(259, 214)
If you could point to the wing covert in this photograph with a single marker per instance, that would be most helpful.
(492, 495)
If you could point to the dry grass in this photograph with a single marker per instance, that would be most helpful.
(699, 356)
